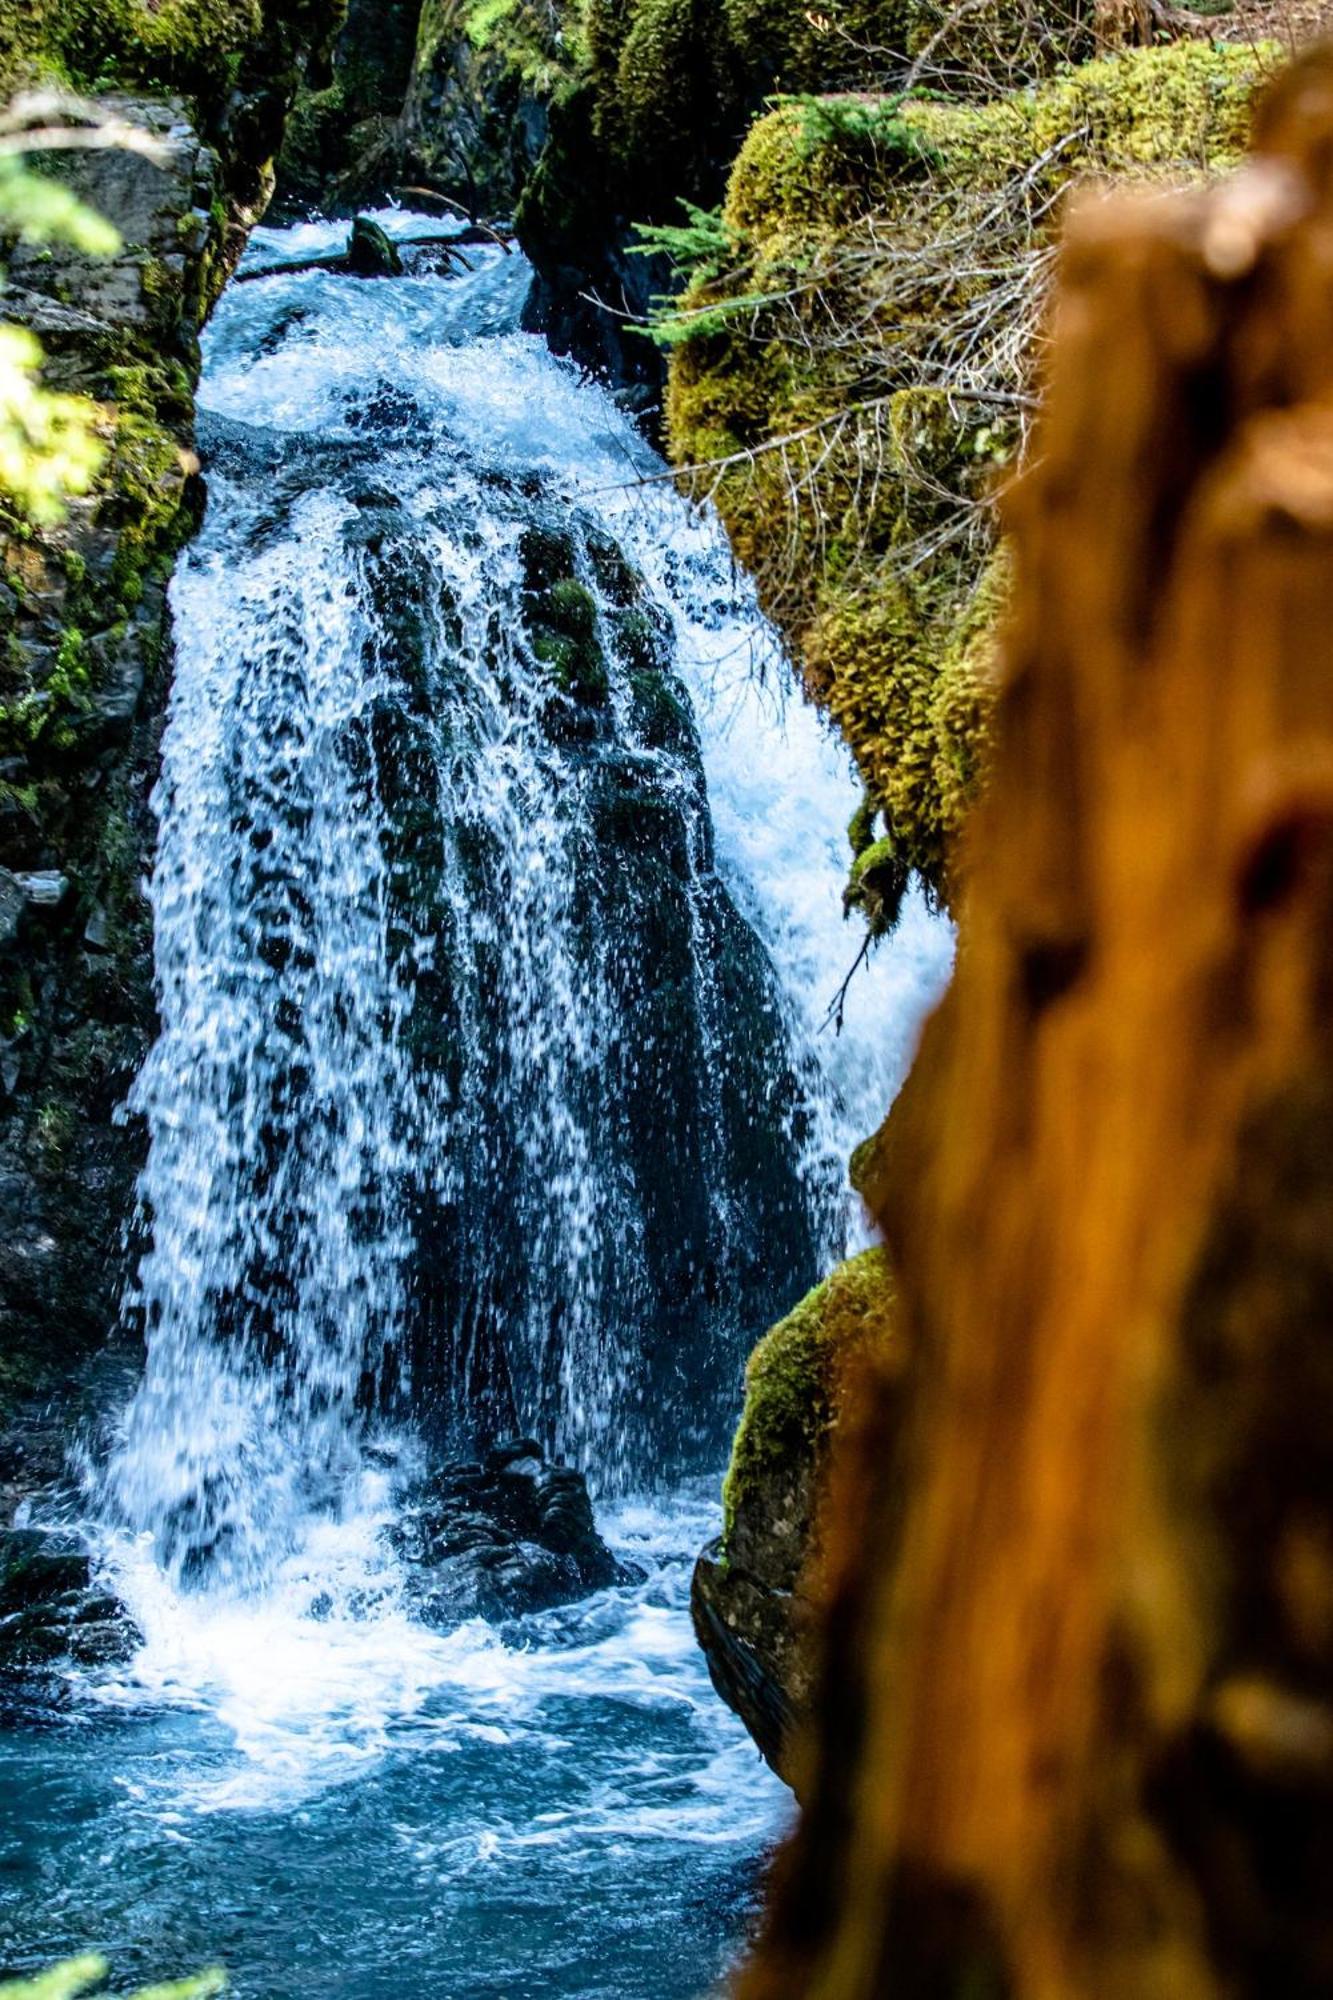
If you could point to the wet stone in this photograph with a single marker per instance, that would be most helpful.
(500, 1538)
(53, 1611)
(370, 251)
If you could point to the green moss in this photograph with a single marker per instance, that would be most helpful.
(661, 720)
(145, 485)
(641, 641)
(877, 884)
(796, 1377)
(188, 45)
(572, 609)
(650, 98)
(562, 625)
(861, 826)
(818, 161)
(872, 544)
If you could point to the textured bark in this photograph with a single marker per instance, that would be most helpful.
(1078, 1737)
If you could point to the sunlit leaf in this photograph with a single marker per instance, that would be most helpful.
(41, 210)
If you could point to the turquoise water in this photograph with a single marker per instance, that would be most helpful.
(564, 1809)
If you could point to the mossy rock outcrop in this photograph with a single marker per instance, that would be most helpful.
(754, 1590)
(83, 612)
(655, 98)
(232, 65)
(861, 238)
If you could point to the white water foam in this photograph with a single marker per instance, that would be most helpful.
(308, 1703)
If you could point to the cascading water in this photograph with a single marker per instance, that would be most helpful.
(497, 907)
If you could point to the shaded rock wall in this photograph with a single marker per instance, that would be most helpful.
(82, 621)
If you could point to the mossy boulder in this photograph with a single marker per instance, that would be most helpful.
(754, 1590)
(862, 236)
(371, 252)
(561, 616)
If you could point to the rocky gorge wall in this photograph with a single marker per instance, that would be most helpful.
(83, 611)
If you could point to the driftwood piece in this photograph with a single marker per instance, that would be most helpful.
(491, 232)
(1076, 1738)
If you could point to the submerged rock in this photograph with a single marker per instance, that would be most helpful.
(753, 1592)
(371, 253)
(53, 1611)
(512, 1534)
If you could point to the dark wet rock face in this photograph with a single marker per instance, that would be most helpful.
(503, 1537)
(627, 1217)
(370, 253)
(82, 608)
(83, 632)
(752, 1631)
(53, 1611)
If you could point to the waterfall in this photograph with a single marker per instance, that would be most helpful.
(490, 1091)
(498, 912)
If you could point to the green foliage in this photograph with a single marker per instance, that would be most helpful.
(48, 443)
(80, 1976)
(858, 122)
(41, 210)
(699, 249)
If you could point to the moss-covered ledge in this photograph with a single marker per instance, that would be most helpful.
(872, 299)
(754, 1589)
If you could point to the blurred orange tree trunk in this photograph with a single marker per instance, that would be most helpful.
(1076, 1731)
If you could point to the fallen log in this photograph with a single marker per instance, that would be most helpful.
(338, 260)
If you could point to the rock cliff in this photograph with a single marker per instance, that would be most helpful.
(82, 612)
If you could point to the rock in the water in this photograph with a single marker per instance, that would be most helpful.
(53, 1611)
(751, 1595)
(510, 1535)
(370, 252)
